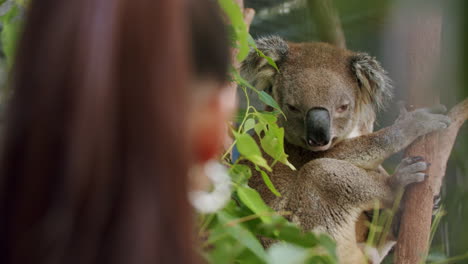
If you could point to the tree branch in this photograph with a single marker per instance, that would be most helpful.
(328, 22)
(412, 246)
(422, 40)
(458, 115)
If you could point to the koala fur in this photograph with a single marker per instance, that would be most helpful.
(330, 97)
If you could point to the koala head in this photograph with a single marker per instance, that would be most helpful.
(326, 93)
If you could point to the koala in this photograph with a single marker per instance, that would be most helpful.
(330, 97)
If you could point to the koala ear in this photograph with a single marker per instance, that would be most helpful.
(376, 86)
(256, 69)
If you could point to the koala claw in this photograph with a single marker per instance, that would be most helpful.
(437, 109)
(423, 121)
(410, 170)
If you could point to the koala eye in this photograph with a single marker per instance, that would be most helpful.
(342, 108)
(292, 108)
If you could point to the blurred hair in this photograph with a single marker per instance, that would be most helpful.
(93, 165)
(210, 55)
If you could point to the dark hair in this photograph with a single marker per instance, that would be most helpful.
(93, 166)
(210, 46)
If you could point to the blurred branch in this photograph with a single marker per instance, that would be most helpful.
(328, 22)
(422, 37)
(422, 47)
(458, 115)
(413, 240)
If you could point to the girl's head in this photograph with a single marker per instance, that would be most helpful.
(113, 101)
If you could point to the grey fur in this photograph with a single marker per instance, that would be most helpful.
(373, 79)
(331, 188)
(256, 69)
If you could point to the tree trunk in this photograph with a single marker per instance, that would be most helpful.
(423, 58)
(424, 49)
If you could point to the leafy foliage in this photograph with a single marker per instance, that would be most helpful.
(10, 18)
(11, 13)
(231, 235)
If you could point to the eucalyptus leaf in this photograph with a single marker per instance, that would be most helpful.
(240, 173)
(11, 26)
(267, 99)
(329, 244)
(283, 230)
(253, 45)
(252, 199)
(224, 248)
(6, 6)
(273, 144)
(266, 117)
(284, 253)
(235, 15)
(269, 183)
(259, 127)
(242, 81)
(249, 124)
(242, 235)
(247, 146)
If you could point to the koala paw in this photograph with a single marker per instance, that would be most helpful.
(423, 121)
(411, 169)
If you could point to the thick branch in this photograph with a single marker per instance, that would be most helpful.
(416, 220)
(423, 28)
(458, 115)
(422, 41)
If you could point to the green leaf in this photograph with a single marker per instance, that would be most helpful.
(329, 244)
(273, 144)
(259, 127)
(240, 173)
(262, 95)
(11, 26)
(224, 248)
(266, 117)
(242, 235)
(269, 183)
(252, 199)
(252, 42)
(6, 6)
(250, 150)
(242, 81)
(289, 232)
(249, 124)
(22, 3)
(267, 99)
(270, 61)
(284, 253)
(236, 18)
(247, 257)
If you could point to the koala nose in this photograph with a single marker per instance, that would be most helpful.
(317, 127)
